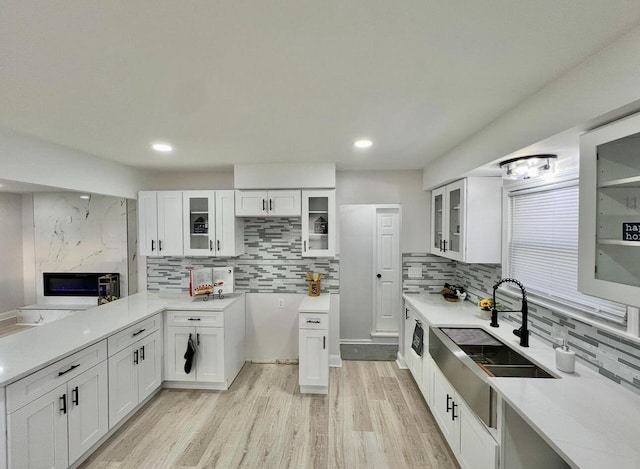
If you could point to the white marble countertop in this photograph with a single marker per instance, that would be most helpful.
(589, 420)
(316, 304)
(54, 306)
(27, 351)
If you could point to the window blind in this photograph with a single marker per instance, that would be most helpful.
(543, 249)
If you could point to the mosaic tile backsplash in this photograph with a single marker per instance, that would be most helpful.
(273, 262)
(436, 271)
(612, 356)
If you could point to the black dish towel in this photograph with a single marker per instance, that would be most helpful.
(418, 339)
(188, 355)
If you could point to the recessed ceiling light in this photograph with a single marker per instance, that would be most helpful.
(85, 197)
(364, 143)
(162, 147)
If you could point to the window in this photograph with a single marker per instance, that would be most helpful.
(542, 249)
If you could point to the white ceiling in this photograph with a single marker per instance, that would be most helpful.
(285, 81)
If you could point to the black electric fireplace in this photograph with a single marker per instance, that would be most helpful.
(73, 283)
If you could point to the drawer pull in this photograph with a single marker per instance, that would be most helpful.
(139, 332)
(313, 321)
(72, 367)
(195, 319)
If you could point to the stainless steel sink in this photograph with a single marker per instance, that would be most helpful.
(468, 356)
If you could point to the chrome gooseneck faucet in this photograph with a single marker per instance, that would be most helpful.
(523, 332)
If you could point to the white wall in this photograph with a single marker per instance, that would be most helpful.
(272, 332)
(391, 187)
(26, 159)
(28, 251)
(605, 86)
(188, 180)
(11, 292)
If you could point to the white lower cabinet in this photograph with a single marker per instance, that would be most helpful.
(208, 360)
(313, 353)
(55, 429)
(219, 342)
(472, 444)
(134, 373)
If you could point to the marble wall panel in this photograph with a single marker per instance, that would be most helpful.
(80, 235)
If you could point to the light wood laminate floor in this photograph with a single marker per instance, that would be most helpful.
(374, 417)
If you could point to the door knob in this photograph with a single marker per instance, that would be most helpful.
(379, 275)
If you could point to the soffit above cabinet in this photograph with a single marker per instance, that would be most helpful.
(285, 176)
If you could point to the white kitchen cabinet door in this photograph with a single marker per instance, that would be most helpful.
(443, 406)
(437, 220)
(426, 385)
(284, 203)
(123, 385)
(314, 358)
(148, 223)
(170, 241)
(88, 410)
(318, 223)
(177, 339)
(251, 203)
(149, 364)
(454, 228)
(37, 433)
(209, 365)
(229, 240)
(199, 230)
(477, 449)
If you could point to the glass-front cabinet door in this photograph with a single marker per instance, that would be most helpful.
(437, 215)
(453, 243)
(610, 212)
(318, 223)
(199, 223)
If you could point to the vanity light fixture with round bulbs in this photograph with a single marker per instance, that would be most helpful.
(526, 167)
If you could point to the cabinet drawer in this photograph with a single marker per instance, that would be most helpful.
(314, 321)
(128, 336)
(195, 318)
(39, 383)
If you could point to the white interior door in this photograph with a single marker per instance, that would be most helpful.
(387, 283)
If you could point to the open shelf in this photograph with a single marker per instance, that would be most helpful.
(619, 242)
(623, 182)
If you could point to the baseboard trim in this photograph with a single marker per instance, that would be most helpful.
(400, 362)
(8, 315)
(335, 361)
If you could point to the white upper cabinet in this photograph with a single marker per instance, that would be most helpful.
(276, 203)
(466, 220)
(318, 223)
(210, 226)
(160, 223)
(609, 239)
